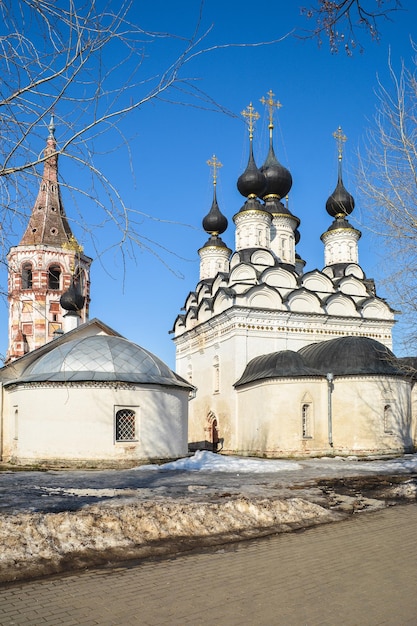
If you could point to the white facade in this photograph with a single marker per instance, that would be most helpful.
(294, 420)
(91, 409)
(61, 423)
(263, 303)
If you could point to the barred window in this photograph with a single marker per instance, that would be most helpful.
(125, 425)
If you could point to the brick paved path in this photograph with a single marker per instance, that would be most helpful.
(362, 571)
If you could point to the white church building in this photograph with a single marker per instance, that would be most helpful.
(287, 363)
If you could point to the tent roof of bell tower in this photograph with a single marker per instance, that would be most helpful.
(48, 223)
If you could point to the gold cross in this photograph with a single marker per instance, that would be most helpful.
(271, 103)
(340, 139)
(215, 164)
(252, 116)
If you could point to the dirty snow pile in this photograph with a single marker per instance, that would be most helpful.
(36, 543)
(43, 542)
(53, 521)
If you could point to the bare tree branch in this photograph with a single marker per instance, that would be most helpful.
(91, 65)
(342, 22)
(388, 183)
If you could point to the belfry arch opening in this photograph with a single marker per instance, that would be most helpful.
(54, 277)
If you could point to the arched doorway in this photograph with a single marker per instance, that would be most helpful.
(212, 431)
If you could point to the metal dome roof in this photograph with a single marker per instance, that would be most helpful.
(346, 356)
(101, 358)
(283, 364)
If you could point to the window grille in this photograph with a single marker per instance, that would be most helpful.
(125, 425)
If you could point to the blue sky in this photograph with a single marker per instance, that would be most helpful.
(319, 91)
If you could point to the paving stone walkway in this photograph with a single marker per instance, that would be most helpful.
(361, 571)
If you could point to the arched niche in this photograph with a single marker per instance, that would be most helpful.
(280, 278)
(264, 298)
(376, 309)
(262, 257)
(352, 286)
(317, 281)
(304, 301)
(243, 273)
(340, 304)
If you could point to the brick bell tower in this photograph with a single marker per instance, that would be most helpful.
(47, 261)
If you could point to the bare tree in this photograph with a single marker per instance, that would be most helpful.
(90, 64)
(342, 22)
(388, 185)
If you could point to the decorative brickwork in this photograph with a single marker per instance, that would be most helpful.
(42, 265)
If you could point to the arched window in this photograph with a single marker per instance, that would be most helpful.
(27, 276)
(125, 425)
(54, 277)
(388, 419)
(216, 375)
(306, 419)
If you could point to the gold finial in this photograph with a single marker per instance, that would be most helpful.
(72, 244)
(252, 116)
(215, 164)
(340, 139)
(271, 104)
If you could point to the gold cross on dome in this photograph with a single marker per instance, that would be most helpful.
(251, 115)
(214, 164)
(340, 139)
(271, 104)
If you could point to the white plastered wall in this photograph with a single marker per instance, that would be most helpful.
(270, 416)
(49, 423)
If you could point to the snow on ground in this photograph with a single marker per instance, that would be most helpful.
(55, 520)
(209, 462)
(204, 461)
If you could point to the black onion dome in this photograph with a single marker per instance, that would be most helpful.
(215, 242)
(346, 356)
(278, 178)
(341, 222)
(340, 202)
(274, 206)
(72, 299)
(252, 182)
(283, 364)
(297, 236)
(215, 223)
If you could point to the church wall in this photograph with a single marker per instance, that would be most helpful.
(271, 418)
(289, 417)
(371, 414)
(83, 429)
(228, 343)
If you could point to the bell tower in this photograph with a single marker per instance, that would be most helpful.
(43, 266)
